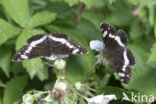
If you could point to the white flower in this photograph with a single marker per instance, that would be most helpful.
(97, 45)
(78, 85)
(28, 99)
(101, 99)
(49, 98)
(59, 64)
(60, 85)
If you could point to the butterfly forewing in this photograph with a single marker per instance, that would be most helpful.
(40, 36)
(70, 48)
(107, 29)
(60, 35)
(35, 38)
(112, 42)
(28, 52)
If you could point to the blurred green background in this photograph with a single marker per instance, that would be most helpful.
(21, 19)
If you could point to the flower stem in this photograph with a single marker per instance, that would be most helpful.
(79, 15)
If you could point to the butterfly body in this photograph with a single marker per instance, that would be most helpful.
(121, 57)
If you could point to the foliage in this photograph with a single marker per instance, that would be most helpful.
(21, 19)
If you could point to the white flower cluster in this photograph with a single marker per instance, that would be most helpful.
(58, 93)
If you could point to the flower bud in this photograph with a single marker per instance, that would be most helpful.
(59, 90)
(78, 85)
(60, 85)
(28, 99)
(59, 64)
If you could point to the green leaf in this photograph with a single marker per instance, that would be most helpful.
(7, 31)
(106, 90)
(41, 18)
(77, 66)
(151, 9)
(89, 25)
(119, 18)
(33, 66)
(54, 6)
(143, 81)
(116, 14)
(18, 10)
(152, 57)
(142, 2)
(14, 89)
(72, 2)
(88, 29)
(42, 74)
(5, 59)
(88, 3)
(22, 39)
(155, 30)
(2, 84)
(94, 18)
(135, 30)
(141, 59)
(140, 75)
(0, 101)
(111, 1)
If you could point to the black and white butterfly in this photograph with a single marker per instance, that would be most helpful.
(51, 46)
(121, 57)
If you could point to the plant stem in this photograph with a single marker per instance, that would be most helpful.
(79, 15)
(91, 72)
(64, 69)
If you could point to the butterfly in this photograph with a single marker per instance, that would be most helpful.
(50, 46)
(116, 46)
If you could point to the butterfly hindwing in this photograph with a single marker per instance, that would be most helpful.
(125, 74)
(131, 58)
(123, 37)
(122, 59)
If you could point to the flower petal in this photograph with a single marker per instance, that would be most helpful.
(97, 45)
